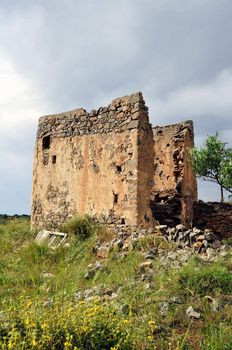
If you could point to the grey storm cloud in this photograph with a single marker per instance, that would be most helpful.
(61, 54)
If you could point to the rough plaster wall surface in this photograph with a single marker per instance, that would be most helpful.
(145, 173)
(88, 163)
(175, 186)
(90, 176)
(189, 183)
(112, 164)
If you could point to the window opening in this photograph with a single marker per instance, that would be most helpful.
(115, 198)
(53, 159)
(46, 142)
(119, 168)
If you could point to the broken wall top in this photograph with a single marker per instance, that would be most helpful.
(177, 131)
(175, 186)
(120, 115)
(172, 143)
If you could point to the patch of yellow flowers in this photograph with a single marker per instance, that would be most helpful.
(64, 324)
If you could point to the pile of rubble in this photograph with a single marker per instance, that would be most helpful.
(126, 239)
(198, 239)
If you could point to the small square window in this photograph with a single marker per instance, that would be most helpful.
(53, 159)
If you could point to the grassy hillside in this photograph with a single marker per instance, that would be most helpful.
(50, 300)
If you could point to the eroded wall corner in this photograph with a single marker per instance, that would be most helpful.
(175, 187)
(89, 163)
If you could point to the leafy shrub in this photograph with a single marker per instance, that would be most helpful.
(104, 234)
(81, 226)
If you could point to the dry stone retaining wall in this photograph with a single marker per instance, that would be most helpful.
(214, 216)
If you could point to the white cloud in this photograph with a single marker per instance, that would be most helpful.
(20, 105)
(208, 104)
(63, 54)
(212, 98)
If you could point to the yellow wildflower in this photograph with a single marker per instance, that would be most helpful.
(67, 344)
(10, 344)
(33, 343)
(126, 321)
(150, 337)
(43, 325)
(152, 325)
(27, 321)
(84, 328)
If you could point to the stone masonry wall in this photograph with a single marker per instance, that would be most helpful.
(122, 114)
(214, 216)
(89, 163)
(175, 186)
(145, 172)
(112, 164)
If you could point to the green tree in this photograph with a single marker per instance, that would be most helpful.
(213, 162)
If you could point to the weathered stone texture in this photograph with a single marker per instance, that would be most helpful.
(110, 163)
(122, 114)
(175, 186)
(88, 163)
(214, 216)
(145, 171)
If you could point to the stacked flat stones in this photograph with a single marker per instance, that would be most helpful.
(126, 238)
(218, 216)
(122, 114)
(196, 238)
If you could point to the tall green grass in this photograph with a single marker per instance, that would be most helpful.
(38, 284)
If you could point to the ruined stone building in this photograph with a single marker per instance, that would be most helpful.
(113, 164)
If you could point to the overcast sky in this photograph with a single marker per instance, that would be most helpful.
(57, 55)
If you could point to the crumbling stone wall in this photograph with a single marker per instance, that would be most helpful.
(175, 187)
(90, 163)
(214, 216)
(112, 164)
